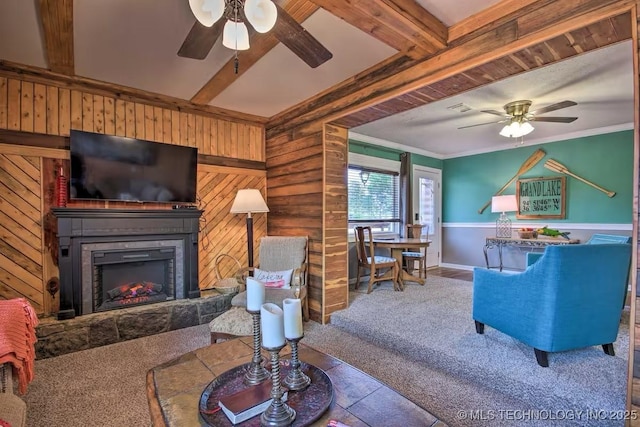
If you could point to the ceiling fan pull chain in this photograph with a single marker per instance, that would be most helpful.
(236, 63)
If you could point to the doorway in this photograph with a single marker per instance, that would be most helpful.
(427, 196)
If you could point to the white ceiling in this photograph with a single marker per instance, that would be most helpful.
(280, 79)
(600, 81)
(135, 44)
(451, 12)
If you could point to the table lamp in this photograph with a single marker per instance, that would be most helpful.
(503, 204)
(249, 201)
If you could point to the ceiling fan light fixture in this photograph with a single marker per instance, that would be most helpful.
(235, 35)
(526, 128)
(516, 129)
(207, 12)
(261, 14)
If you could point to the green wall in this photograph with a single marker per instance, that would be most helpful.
(606, 160)
(374, 150)
(392, 154)
(469, 182)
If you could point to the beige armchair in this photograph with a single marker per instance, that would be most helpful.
(277, 254)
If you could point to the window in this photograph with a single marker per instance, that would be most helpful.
(374, 197)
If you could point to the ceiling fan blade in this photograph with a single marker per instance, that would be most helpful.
(482, 124)
(553, 107)
(200, 40)
(553, 119)
(496, 112)
(293, 35)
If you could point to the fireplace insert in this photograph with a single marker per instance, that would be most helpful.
(128, 278)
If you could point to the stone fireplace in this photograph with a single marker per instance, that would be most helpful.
(116, 258)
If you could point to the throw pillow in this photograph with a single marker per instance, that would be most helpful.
(274, 279)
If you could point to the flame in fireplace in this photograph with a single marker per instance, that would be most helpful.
(134, 292)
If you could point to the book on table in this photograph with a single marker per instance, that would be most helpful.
(248, 402)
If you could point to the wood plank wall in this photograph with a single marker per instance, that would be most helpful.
(294, 177)
(37, 110)
(21, 236)
(220, 231)
(46, 109)
(306, 177)
(336, 215)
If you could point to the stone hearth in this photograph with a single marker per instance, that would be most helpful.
(57, 337)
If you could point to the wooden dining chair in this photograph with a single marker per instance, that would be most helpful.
(409, 258)
(376, 264)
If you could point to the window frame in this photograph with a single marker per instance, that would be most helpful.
(356, 160)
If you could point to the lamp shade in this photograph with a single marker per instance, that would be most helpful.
(249, 201)
(261, 14)
(235, 35)
(207, 12)
(504, 203)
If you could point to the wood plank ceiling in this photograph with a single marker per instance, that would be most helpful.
(600, 34)
(370, 95)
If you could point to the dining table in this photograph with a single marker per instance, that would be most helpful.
(397, 245)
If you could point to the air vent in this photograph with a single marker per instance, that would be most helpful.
(460, 108)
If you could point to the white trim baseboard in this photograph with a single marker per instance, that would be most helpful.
(471, 267)
(456, 266)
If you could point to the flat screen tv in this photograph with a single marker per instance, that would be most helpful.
(105, 167)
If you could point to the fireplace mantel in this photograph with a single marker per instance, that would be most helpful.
(78, 227)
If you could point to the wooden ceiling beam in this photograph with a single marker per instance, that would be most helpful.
(402, 24)
(533, 24)
(492, 16)
(409, 19)
(56, 19)
(261, 44)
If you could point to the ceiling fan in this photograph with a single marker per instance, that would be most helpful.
(517, 117)
(286, 29)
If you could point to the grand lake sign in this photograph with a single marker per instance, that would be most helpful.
(541, 198)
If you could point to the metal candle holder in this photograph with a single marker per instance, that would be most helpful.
(278, 414)
(296, 379)
(256, 372)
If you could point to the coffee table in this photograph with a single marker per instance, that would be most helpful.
(174, 388)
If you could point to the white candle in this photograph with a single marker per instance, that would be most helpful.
(255, 294)
(272, 325)
(292, 318)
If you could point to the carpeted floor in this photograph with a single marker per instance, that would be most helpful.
(432, 326)
(105, 386)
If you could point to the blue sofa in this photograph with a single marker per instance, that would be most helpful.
(568, 299)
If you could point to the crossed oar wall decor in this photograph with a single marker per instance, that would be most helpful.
(550, 164)
(560, 168)
(528, 164)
